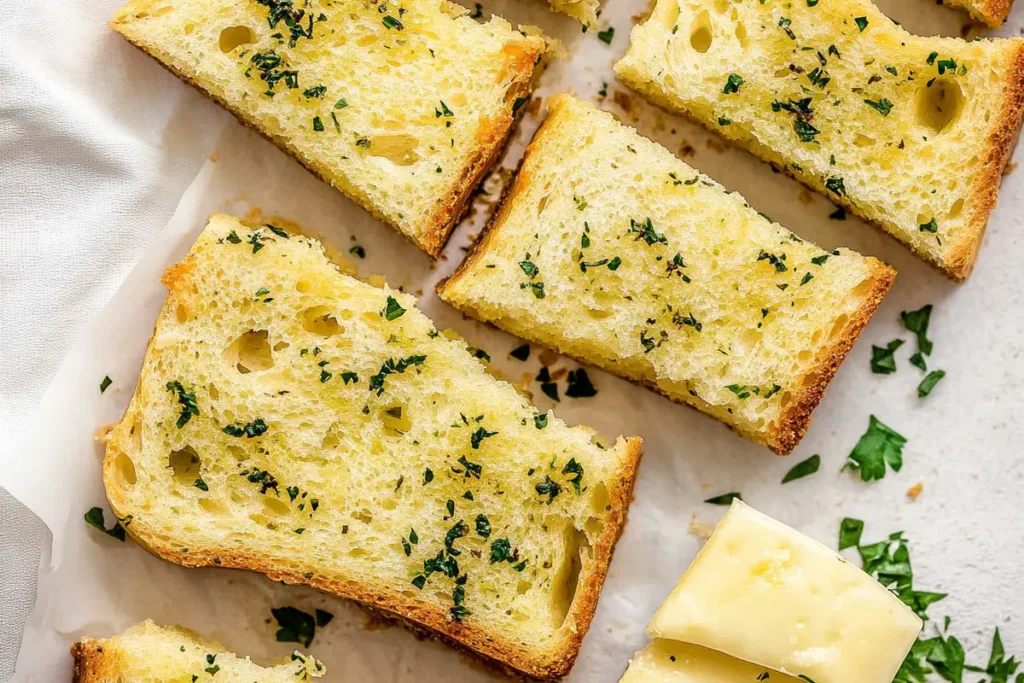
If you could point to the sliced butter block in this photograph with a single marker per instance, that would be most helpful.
(667, 661)
(911, 133)
(611, 250)
(401, 105)
(147, 653)
(765, 593)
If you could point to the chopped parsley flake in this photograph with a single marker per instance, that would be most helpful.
(880, 445)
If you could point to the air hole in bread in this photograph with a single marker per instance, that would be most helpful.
(863, 141)
(186, 465)
(233, 36)
(399, 149)
(741, 33)
(396, 419)
(181, 313)
(839, 326)
(939, 106)
(566, 581)
(721, 6)
(330, 439)
(523, 587)
(700, 32)
(214, 507)
(274, 507)
(319, 320)
(249, 353)
(599, 500)
(364, 516)
(955, 210)
(303, 285)
(125, 469)
(281, 346)
(542, 203)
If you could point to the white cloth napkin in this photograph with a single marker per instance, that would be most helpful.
(96, 148)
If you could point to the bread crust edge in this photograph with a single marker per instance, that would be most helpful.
(985, 191)
(92, 663)
(442, 222)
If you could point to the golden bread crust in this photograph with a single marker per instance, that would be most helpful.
(1003, 139)
(794, 422)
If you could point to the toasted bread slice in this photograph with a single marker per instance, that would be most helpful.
(402, 107)
(991, 12)
(910, 133)
(613, 251)
(666, 661)
(147, 653)
(295, 421)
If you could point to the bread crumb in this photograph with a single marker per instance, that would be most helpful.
(914, 491)
(102, 432)
(548, 357)
(623, 101)
(701, 530)
(214, 156)
(1009, 168)
(804, 196)
(559, 374)
(686, 150)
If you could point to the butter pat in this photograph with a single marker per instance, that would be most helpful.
(765, 593)
(666, 661)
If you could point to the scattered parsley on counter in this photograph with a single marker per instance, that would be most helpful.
(879, 445)
(929, 382)
(803, 469)
(105, 383)
(917, 322)
(850, 531)
(521, 352)
(580, 385)
(725, 498)
(94, 517)
(883, 360)
(607, 36)
(294, 625)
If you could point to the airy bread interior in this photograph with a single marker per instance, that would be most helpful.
(296, 421)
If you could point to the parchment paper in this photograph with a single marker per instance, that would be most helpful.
(962, 441)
